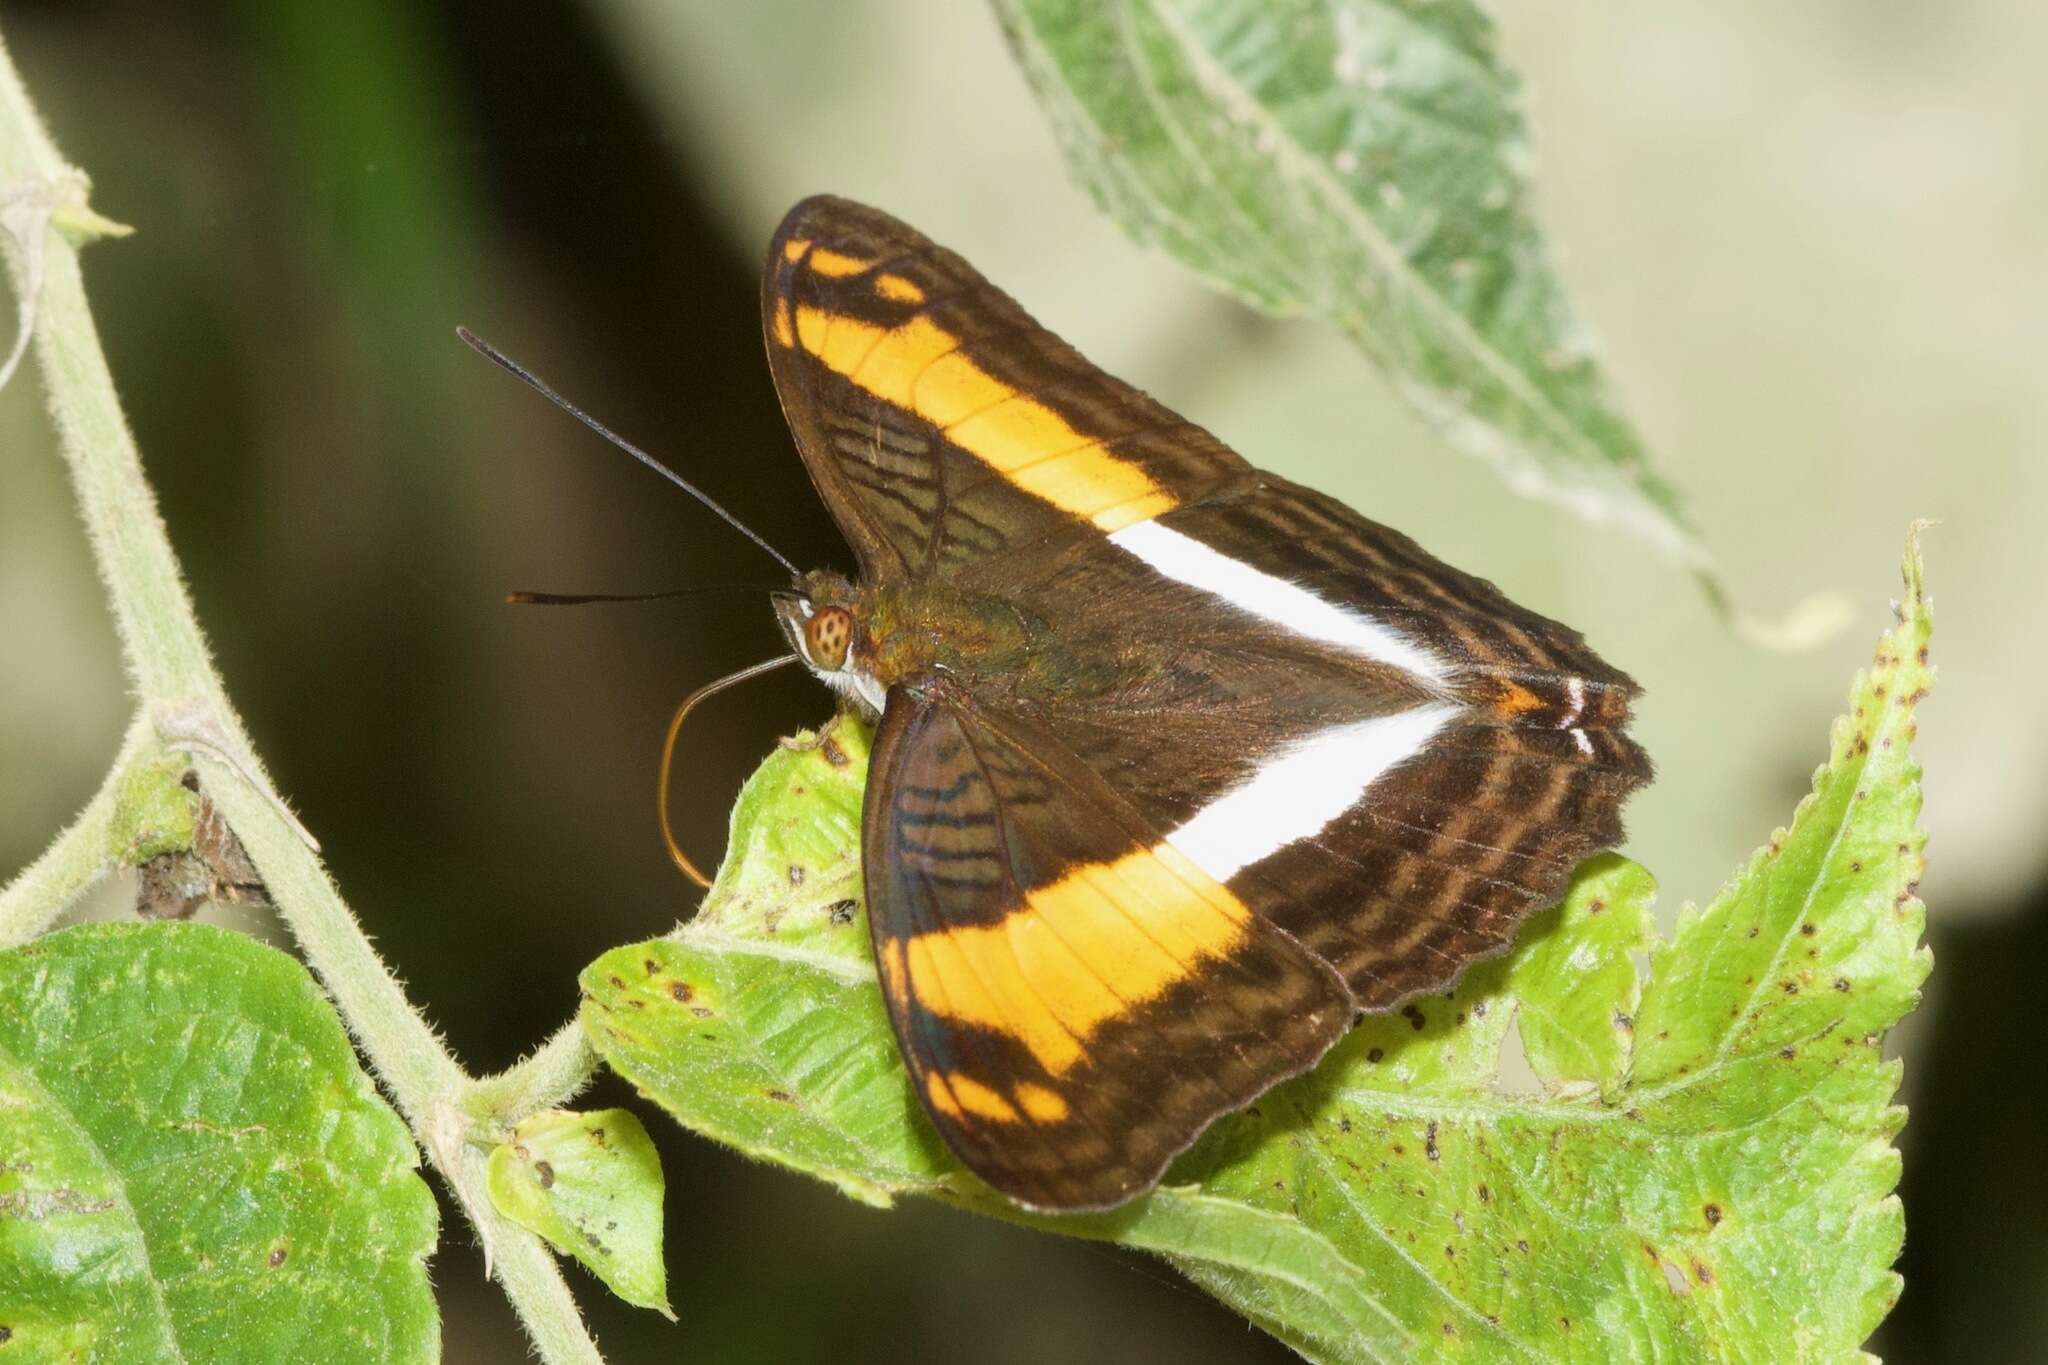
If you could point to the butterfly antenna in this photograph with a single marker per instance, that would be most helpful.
(541, 387)
(668, 750)
(578, 599)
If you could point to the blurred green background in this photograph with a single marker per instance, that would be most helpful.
(1811, 237)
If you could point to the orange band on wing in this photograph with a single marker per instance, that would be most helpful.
(919, 366)
(1085, 950)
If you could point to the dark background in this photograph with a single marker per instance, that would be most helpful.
(324, 190)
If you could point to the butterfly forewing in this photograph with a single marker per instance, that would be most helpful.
(943, 425)
(1075, 999)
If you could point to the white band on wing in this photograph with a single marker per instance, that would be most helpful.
(1300, 790)
(1187, 560)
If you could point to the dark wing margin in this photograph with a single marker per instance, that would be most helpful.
(942, 425)
(1075, 1001)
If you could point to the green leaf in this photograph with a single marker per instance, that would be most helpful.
(1363, 161)
(193, 1166)
(1699, 1164)
(591, 1185)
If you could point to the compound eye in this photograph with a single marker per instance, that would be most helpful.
(827, 636)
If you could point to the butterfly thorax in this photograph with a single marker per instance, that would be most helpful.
(861, 639)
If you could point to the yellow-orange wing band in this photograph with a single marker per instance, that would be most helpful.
(943, 425)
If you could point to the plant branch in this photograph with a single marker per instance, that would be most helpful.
(183, 705)
(75, 861)
(556, 1071)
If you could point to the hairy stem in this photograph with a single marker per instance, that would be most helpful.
(551, 1077)
(183, 704)
(75, 861)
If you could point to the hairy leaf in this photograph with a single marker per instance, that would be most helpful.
(192, 1165)
(591, 1185)
(1363, 161)
(1701, 1167)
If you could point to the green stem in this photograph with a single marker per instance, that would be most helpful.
(184, 705)
(552, 1076)
(75, 861)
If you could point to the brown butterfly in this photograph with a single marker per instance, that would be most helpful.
(1180, 766)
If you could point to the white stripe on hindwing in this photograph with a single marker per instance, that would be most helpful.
(1291, 606)
(1296, 793)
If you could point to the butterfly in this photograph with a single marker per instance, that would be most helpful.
(1179, 767)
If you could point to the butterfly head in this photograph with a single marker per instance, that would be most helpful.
(819, 621)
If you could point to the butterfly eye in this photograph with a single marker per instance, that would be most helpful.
(827, 635)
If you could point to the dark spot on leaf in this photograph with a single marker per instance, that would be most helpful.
(1595, 906)
(1787, 1053)
(617, 984)
(1485, 1195)
(546, 1174)
(842, 911)
(702, 1013)
(1522, 1246)
(1632, 1115)
(1841, 983)
(1856, 867)
(597, 1136)
(652, 966)
(1415, 1017)
(637, 1003)
(1811, 929)
(189, 780)
(1921, 654)
(1713, 1213)
(797, 790)
(1479, 1009)
(1399, 1150)
(1449, 1330)
(1752, 932)
(1373, 1054)
(277, 1255)
(1703, 1272)
(1429, 1148)
(796, 875)
(1789, 986)
(1564, 1324)
(780, 1096)
(1343, 1124)
(682, 992)
(1623, 1022)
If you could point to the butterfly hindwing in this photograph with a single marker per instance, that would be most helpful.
(942, 424)
(1075, 1000)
